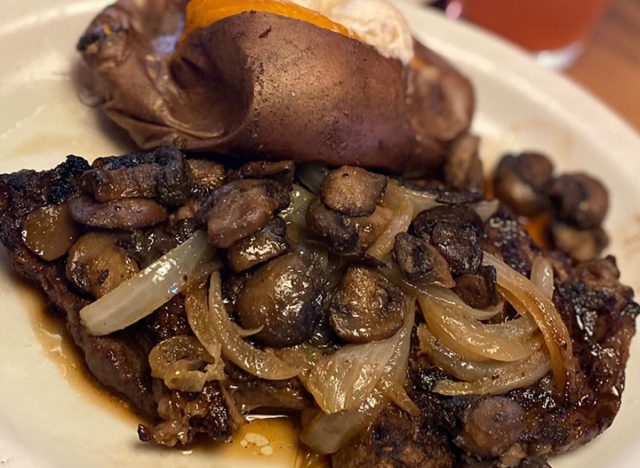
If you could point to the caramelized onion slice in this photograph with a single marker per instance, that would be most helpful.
(472, 339)
(454, 301)
(139, 296)
(184, 364)
(215, 323)
(400, 222)
(328, 433)
(454, 365)
(296, 212)
(529, 299)
(542, 275)
(521, 374)
(396, 194)
(345, 379)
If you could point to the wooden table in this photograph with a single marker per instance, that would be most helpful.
(610, 65)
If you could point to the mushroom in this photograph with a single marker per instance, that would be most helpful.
(366, 307)
(369, 228)
(96, 263)
(126, 213)
(463, 169)
(241, 208)
(331, 227)
(265, 244)
(420, 262)
(280, 299)
(478, 290)
(462, 216)
(579, 244)
(456, 231)
(522, 181)
(162, 174)
(491, 426)
(282, 171)
(207, 175)
(50, 232)
(352, 191)
(579, 200)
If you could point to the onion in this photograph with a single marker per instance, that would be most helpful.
(311, 176)
(396, 194)
(446, 295)
(424, 200)
(214, 323)
(296, 212)
(542, 275)
(400, 222)
(139, 296)
(345, 379)
(455, 365)
(529, 299)
(396, 393)
(179, 360)
(486, 209)
(472, 339)
(519, 374)
(327, 433)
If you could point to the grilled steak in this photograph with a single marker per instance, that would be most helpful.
(522, 427)
(525, 426)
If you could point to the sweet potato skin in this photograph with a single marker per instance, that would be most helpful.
(258, 85)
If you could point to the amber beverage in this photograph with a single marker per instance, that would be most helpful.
(537, 25)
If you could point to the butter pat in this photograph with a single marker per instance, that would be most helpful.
(376, 22)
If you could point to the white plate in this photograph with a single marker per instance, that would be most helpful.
(47, 420)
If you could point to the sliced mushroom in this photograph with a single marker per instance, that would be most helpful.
(478, 290)
(331, 227)
(162, 174)
(420, 262)
(461, 216)
(461, 247)
(456, 231)
(369, 228)
(366, 307)
(580, 245)
(580, 200)
(50, 232)
(491, 426)
(96, 263)
(522, 181)
(126, 214)
(353, 191)
(267, 243)
(207, 175)
(126, 182)
(281, 299)
(463, 169)
(240, 208)
(282, 171)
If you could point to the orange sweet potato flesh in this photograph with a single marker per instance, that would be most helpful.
(260, 85)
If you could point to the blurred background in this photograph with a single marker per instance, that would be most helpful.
(595, 42)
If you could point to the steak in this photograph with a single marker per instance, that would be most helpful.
(118, 361)
(527, 425)
(523, 427)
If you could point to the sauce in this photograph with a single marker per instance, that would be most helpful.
(279, 432)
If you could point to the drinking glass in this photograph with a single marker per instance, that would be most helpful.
(554, 30)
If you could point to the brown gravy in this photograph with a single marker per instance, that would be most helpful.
(249, 443)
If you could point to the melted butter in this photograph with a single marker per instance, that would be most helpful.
(204, 13)
(281, 432)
